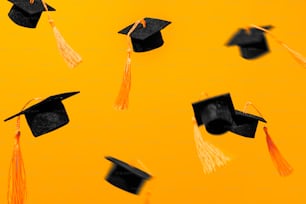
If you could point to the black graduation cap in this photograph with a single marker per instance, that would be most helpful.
(47, 115)
(27, 14)
(215, 113)
(126, 177)
(245, 124)
(148, 37)
(252, 43)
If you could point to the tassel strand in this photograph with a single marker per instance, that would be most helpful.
(283, 167)
(297, 56)
(122, 100)
(17, 177)
(210, 156)
(71, 57)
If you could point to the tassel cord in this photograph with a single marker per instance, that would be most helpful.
(17, 176)
(297, 56)
(122, 99)
(71, 57)
(210, 156)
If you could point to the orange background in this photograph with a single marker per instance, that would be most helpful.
(68, 165)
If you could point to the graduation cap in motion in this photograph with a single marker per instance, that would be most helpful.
(42, 118)
(47, 115)
(245, 124)
(26, 13)
(215, 113)
(148, 36)
(144, 35)
(126, 177)
(252, 42)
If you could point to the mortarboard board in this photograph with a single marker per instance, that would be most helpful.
(252, 42)
(47, 115)
(148, 37)
(26, 13)
(126, 177)
(215, 113)
(245, 124)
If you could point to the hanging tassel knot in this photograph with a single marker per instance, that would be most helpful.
(51, 22)
(17, 136)
(248, 30)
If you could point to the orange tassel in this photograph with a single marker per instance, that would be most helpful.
(122, 100)
(71, 57)
(279, 161)
(210, 156)
(297, 56)
(17, 177)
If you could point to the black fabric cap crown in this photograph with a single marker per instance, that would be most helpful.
(215, 113)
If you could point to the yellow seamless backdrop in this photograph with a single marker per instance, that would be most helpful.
(68, 165)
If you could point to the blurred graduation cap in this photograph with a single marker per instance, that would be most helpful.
(126, 177)
(148, 36)
(144, 35)
(26, 13)
(252, 42)
(245, 124)
(46, 116)
(215, 113)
